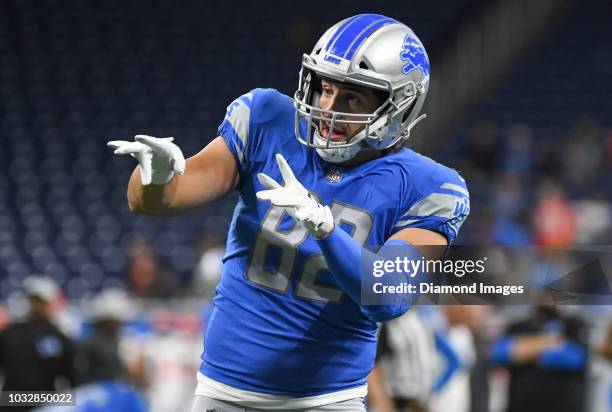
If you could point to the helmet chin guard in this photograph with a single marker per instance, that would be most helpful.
(335, 155)
(367, 50)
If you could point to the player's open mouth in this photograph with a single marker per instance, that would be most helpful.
(337, 135)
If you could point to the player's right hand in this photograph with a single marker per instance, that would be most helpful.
(295, 198)
(159, 158)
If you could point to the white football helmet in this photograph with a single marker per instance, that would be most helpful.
(368, 50)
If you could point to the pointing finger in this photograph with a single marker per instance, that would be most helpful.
(128, 148)
(153, 142)
(285, 170)
(265, 194)
(115, 144)
(278, 197)
(268, 182)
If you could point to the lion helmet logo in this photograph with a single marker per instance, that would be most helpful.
(414, 55)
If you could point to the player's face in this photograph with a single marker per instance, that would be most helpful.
(345, 98)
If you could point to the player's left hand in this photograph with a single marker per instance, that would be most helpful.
(296, 199)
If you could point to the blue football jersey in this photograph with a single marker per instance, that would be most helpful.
(103, 396)
(280, 323)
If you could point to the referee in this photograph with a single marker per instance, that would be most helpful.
(407, 365)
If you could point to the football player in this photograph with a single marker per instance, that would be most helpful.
(324, 180)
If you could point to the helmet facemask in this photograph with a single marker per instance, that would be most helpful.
(371, 51)
(382, 128)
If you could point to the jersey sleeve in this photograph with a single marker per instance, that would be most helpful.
(235, 129)
(251, 127)
(442, 210)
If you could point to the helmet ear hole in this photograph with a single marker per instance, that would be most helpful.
(364, 65)
(318, 51)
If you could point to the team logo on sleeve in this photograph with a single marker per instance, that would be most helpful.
(231, 108)
(414, 55)
(462, 208)
(334, 175)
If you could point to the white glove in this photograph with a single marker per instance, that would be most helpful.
(159, 158)
(295, 198)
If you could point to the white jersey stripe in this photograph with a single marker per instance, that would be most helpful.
(438, 204)
(456, 188)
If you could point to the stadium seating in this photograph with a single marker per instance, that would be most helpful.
(75, 74)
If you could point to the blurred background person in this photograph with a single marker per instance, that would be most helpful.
(408, 364)
(105, 382)
(106, 396)
(34, 354)
(600, 395)
(459, 326)
(425, 359)
(207, 271)
(149, 278)
(98, 355)
(546, 356)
